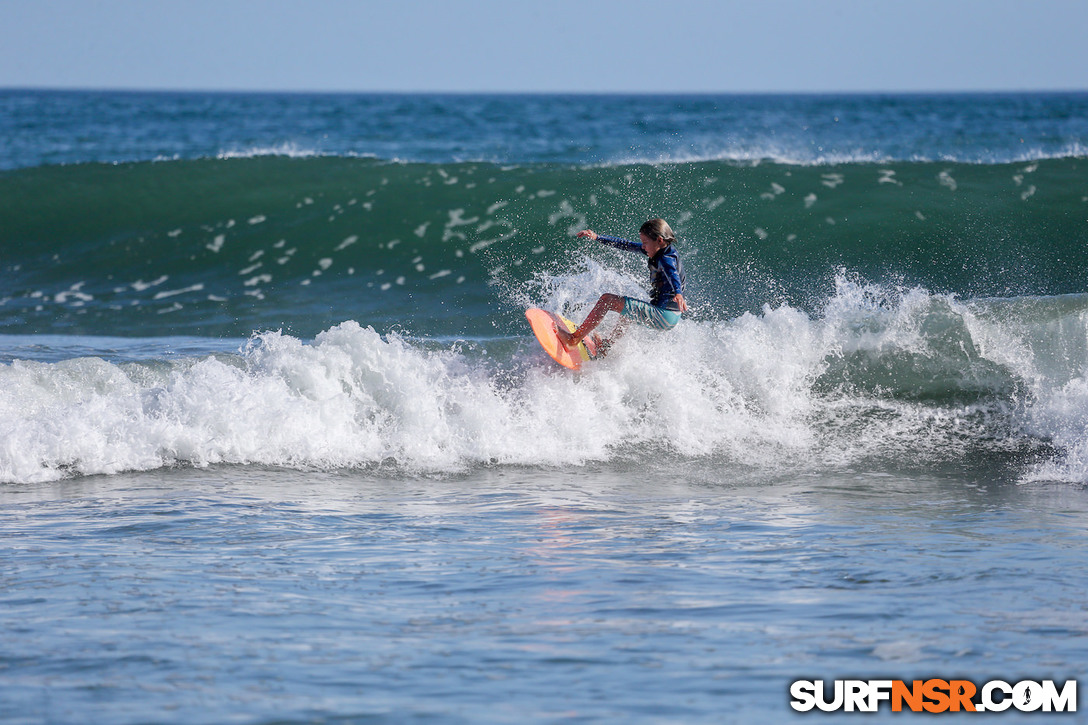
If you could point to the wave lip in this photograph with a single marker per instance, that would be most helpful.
(286, 149)
(776, 154)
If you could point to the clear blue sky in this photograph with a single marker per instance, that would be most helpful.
(545, 46)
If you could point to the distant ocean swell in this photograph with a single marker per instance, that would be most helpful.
(53, 128)
(225, 247)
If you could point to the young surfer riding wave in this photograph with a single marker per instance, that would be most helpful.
(666, 303)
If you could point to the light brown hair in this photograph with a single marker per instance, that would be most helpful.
(658, 229)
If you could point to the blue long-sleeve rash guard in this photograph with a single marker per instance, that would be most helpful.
(666, 271)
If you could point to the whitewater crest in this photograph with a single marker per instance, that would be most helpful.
(354, 398)
(881, 376)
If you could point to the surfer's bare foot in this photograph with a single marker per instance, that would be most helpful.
(567, 338)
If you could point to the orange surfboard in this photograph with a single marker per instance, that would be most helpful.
(544, 324)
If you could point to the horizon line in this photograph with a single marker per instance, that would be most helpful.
(256, 91)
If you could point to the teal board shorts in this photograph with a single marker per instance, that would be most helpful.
(656, 317)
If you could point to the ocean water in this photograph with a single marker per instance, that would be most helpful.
(277, 445)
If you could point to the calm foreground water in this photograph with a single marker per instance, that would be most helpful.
(513, 595)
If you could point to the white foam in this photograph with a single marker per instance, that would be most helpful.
(175, 292)
(289, 150)
(1064, 420)
(74, 292)
(141, 286)
(758, 152)
(764, 390)
(355, 398)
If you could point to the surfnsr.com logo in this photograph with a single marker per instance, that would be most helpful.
(933, 695)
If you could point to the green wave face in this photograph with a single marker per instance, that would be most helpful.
(225, 247)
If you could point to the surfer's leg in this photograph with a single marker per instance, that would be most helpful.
(607, 303)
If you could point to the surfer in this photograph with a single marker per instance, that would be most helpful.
(666, 303)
